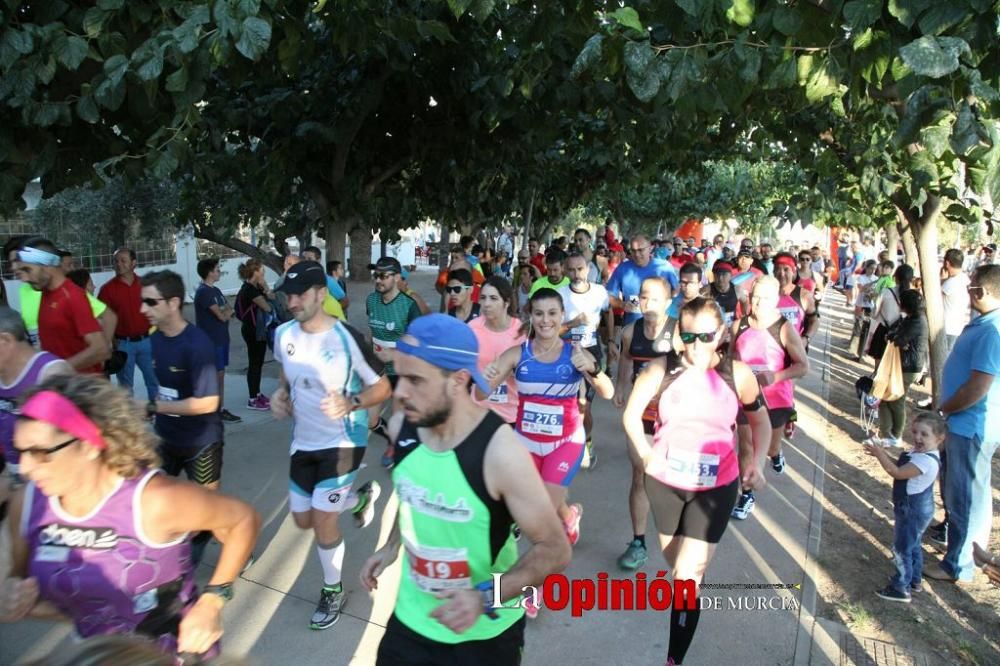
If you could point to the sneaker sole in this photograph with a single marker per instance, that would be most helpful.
(896, 599)
(639, 565)
(318, 626)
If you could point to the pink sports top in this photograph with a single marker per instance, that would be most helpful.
(694, 448)
(503, 400)
(761, 349)
(790, 307)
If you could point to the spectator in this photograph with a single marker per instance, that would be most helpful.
(66, 260)
(506, 242)
(714, 253)
(626, 281)
(67, 326)
(253, 305)
(123, 294)
(335, 269)
(537, 258)
(970, 399)
(212, 314)
(280, 297)
(765, 258)
(888, 309)
(312, 253)
(954, 289)
(909, 334)
(404, 287)
(987, 254)
(457, 259)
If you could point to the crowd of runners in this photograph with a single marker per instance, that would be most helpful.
(483, 410)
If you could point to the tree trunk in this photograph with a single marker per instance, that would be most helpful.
(926, 231)
(273, 261)
(361, 248)
(528, 220)
(910, 252)
(335, 232)
(892, 241)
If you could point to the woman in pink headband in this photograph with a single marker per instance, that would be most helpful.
(101, 537)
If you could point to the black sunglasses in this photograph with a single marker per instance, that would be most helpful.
(689, 338)
(455, 290)
(42, 454)
(382, 276)
(151, 302)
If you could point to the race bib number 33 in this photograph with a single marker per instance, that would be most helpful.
(689, 469)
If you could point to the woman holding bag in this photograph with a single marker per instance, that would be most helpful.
(910, 335)
(887, 311)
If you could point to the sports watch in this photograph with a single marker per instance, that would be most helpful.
(225, 591)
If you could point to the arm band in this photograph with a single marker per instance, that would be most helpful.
(755, 405)
(811, 317)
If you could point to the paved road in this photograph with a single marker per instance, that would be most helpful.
(268, 618)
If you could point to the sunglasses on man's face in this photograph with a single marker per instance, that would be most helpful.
(455, 290)
(689, 338)
(383, 276)
(152, 302)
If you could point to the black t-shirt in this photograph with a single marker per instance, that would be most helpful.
(246, 309)
(185, 368)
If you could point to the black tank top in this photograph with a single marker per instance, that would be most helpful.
(471, 454)
(726, 301)
(642, 349)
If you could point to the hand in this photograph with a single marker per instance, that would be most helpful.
(765, 378)
(491, 373)
(460, 611)
(17, 597)
(375, 565)
(201, 628)
(613, 353)
(873, 450)
(631, 306)
(336, 406)
(281, 403)
(619, 399)
(753, 477)
(581, 360)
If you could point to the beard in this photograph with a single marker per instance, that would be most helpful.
(433, 418)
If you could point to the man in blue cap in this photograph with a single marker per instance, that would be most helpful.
(462, 480)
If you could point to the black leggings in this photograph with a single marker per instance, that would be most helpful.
(255, 356)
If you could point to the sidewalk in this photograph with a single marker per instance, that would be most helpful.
(268, 619)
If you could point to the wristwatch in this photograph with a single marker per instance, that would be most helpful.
(151, 408)
(486, 591)
(356, 401)
(225, 591)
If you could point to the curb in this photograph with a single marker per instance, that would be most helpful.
(804, 639)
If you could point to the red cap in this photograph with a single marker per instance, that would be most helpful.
(722, 266)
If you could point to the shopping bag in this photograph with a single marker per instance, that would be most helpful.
(888, 383)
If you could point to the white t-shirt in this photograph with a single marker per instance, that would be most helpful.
(337, 360)
(928, 464)
(956, 303)
(864, 300)
(591, 303)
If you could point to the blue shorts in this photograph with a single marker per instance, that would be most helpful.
(221, 357)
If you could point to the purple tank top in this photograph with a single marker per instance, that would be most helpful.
(102, 571)
(8, 401)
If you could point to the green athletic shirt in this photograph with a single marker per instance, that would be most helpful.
(544, 283)
(388, 321)
(454, 535)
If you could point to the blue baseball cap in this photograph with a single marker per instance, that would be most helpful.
(444, 342)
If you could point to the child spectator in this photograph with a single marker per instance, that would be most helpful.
(913, 502)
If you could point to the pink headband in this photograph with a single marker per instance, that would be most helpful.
(59, 411)
(785, 261)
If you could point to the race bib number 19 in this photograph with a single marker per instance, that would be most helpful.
(435, 569)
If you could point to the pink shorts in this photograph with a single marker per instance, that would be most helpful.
(560, 466)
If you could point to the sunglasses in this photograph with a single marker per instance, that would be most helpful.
(151, 302)
(382, 276)
(42, 454)
(972, 289)
(689, 338)
(456, 290)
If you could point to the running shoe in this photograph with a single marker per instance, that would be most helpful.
(744, 506)
(889, 593)
(258, 405)
(634, 557)
(916, 588)
(925, 404)
(228, 417)
(331, 600)
(264, 400)
(388, 458)
(364, 510)
(589, 455)
(778, 463)
(572, 526)
(530, 609)
(938, 533)
(380, 429)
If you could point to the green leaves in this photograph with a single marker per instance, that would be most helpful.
(860, 14)
(71, 51)
(86, 109)
(628, 18)
(787, 20)
(150, 60)
(968, 134)
(643, 80)
(589, 54)
(741, 12)
(934, 57)
(255, 38)
(819, 78)
(434, 30)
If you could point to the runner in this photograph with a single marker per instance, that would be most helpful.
(186, 407)
(692, 473)
(554, 277)
(497, 330)
(548, 372)
(459, 290)
(795, 303)
(389, 311)
(642, 341)
(770, 345)
(724, 293)
(100, 537)
(462, 480)
(328, 381)
(586, 305)
(21, 367)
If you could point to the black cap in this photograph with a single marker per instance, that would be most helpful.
(992, 247)
(745, 253)
(302, 276)
(387, 265)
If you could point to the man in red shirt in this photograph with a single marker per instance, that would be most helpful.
(537, 258)
(123, 294)
(66, 324)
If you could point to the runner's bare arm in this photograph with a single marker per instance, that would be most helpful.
(645, 388)
(624, 367)
(760, 423)
(281, 399)
(592, 374)
(510, 476)
(497, 372)
(796, 350)
(387, 554)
